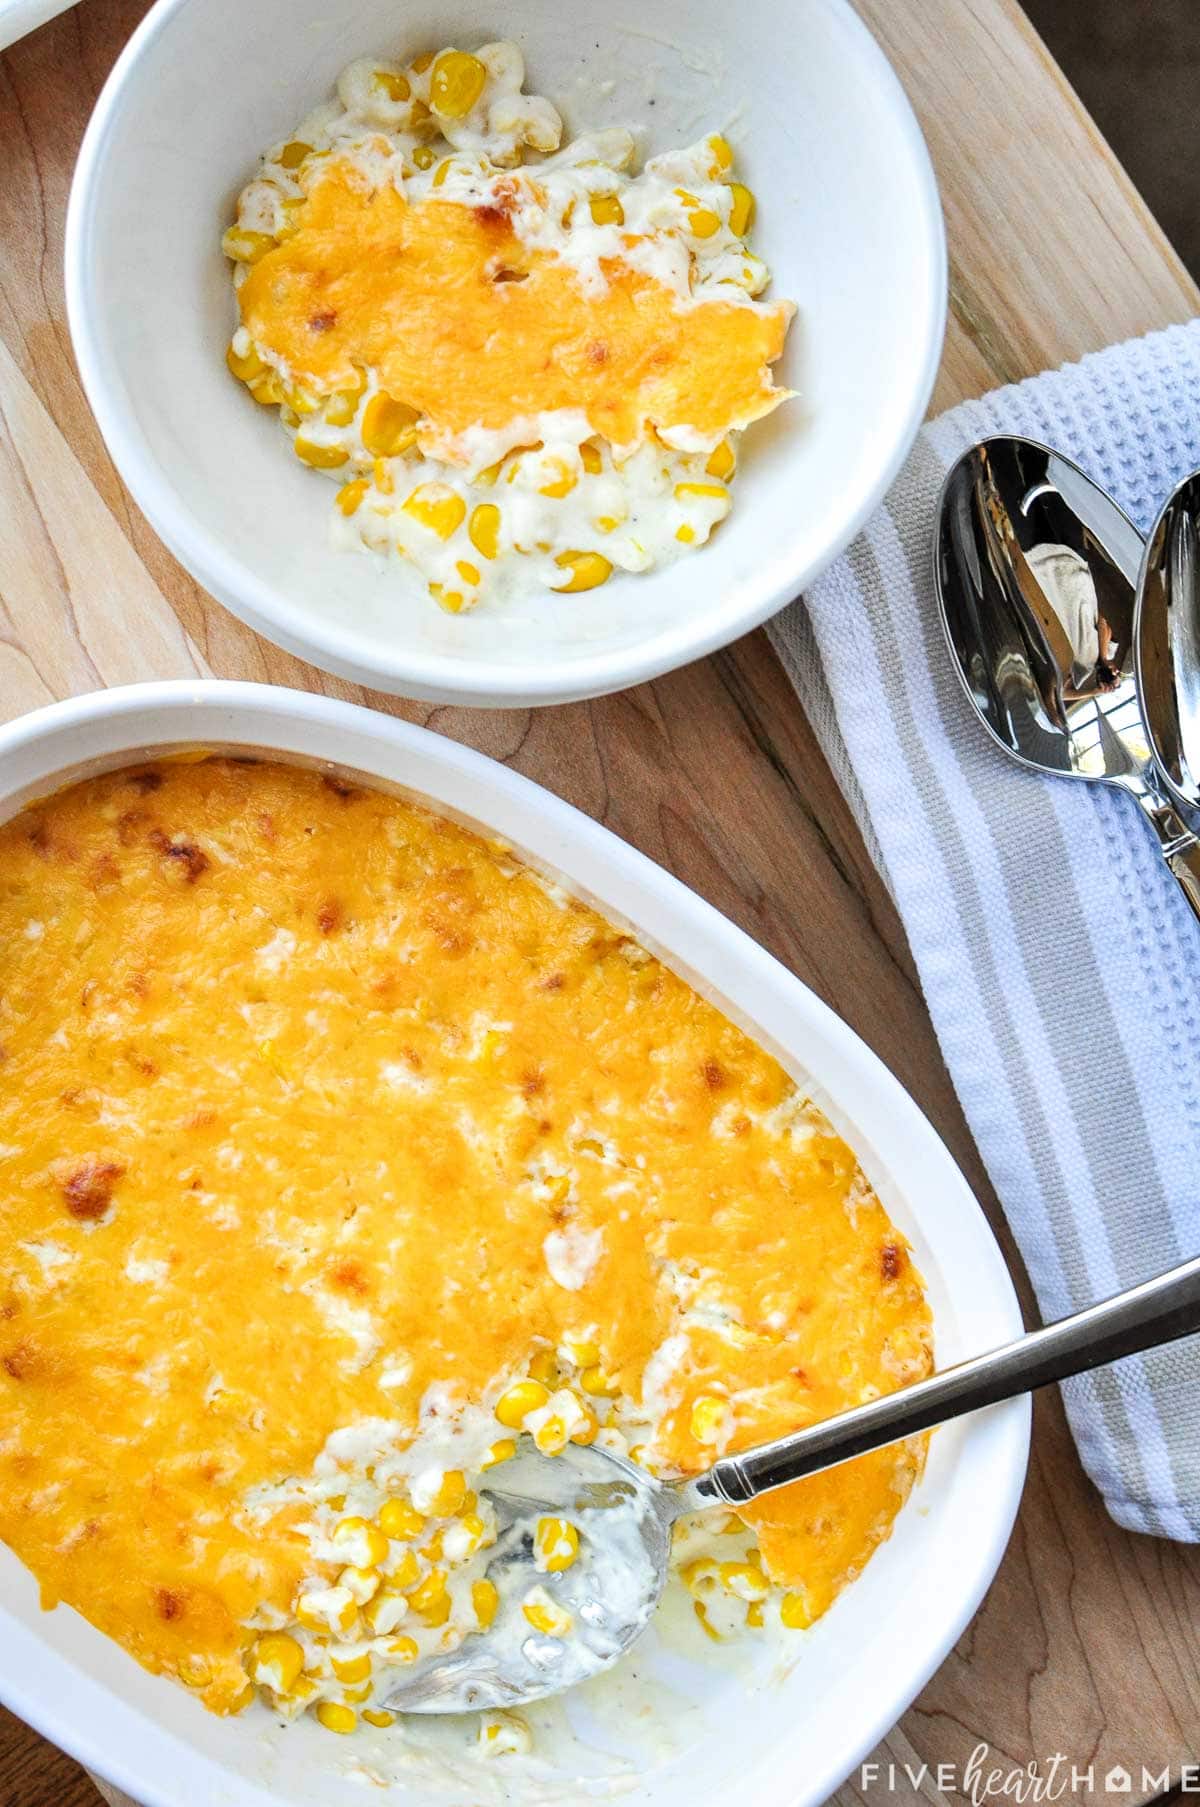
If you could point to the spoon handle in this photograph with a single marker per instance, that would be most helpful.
(1179, 844)
(1158, 1311)
(1184, 862)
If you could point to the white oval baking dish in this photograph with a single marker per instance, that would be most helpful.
(778, 1741)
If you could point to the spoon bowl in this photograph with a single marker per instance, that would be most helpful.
(1167, 641)
(624, 1519)
(1036, 571)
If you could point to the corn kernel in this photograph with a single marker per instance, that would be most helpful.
(544, 1367)
(381, 471)
(486, 1601)
(333, 1609)
(247, 368)
(793, 1610)
(402, 1650)
(302, 401)
(722, 155)
(606, 210)
(361, 1584)
(709, 1419)
(442, 171)
(556, 1545)
(399, 1520)
(685, 534)
(352, 1668)
(545, 1614)
(278, 1661)
(385, 1611)
(484, 529)
(721, 461)
(703, 222)
(551, 1436)
(468, 1535)
(421, 63)
(351, 494)
(342, 406)
(424, 156)
(587, 571)
(394, 85)
(320, 457)
(607, 523)
(363, 1543)
(503, 1451)
(456, 84)
(589, 455)
(700, 489)
(589, 1430)
(453, 601)
(504, 1734)
(195, 1672)
(292, 155)
(599, 1383)
(562, 480)
(378, 1716)
(451, 1494)
(467, 571)
(743, 1579)
(700, 1575)
(741, 212)
(429, 1593)
(437, 507)
(389, 427)
(336, 1718)
(405, 1572)
(486, 478)
(246, 247)
(290, 223)
(754, 1614)
(514, 1407)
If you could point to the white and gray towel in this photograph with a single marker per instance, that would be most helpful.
(1060, 965)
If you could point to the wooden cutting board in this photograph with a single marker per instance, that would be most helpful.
(1089, 1642)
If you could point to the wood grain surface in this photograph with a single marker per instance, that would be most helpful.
(1089, 1642)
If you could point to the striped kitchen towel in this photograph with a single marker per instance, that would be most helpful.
(1059, 962)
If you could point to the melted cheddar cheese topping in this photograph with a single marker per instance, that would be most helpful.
(314, 1101)
(411, 291)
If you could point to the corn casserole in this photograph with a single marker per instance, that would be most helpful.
(521, 363)
(342, 1152)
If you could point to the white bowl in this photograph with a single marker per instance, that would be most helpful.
(17, 17)
(777, 1742)
(849, 221)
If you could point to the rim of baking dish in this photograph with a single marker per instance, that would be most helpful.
(478, 682)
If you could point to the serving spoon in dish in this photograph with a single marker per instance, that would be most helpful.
(1036, 571)
(625, 1516)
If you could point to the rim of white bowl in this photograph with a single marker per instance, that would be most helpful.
(435, 677)
(1003, 1460)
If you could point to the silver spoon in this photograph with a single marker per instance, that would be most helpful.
(1167, 641)
(1036, 572)
(625, 1516)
